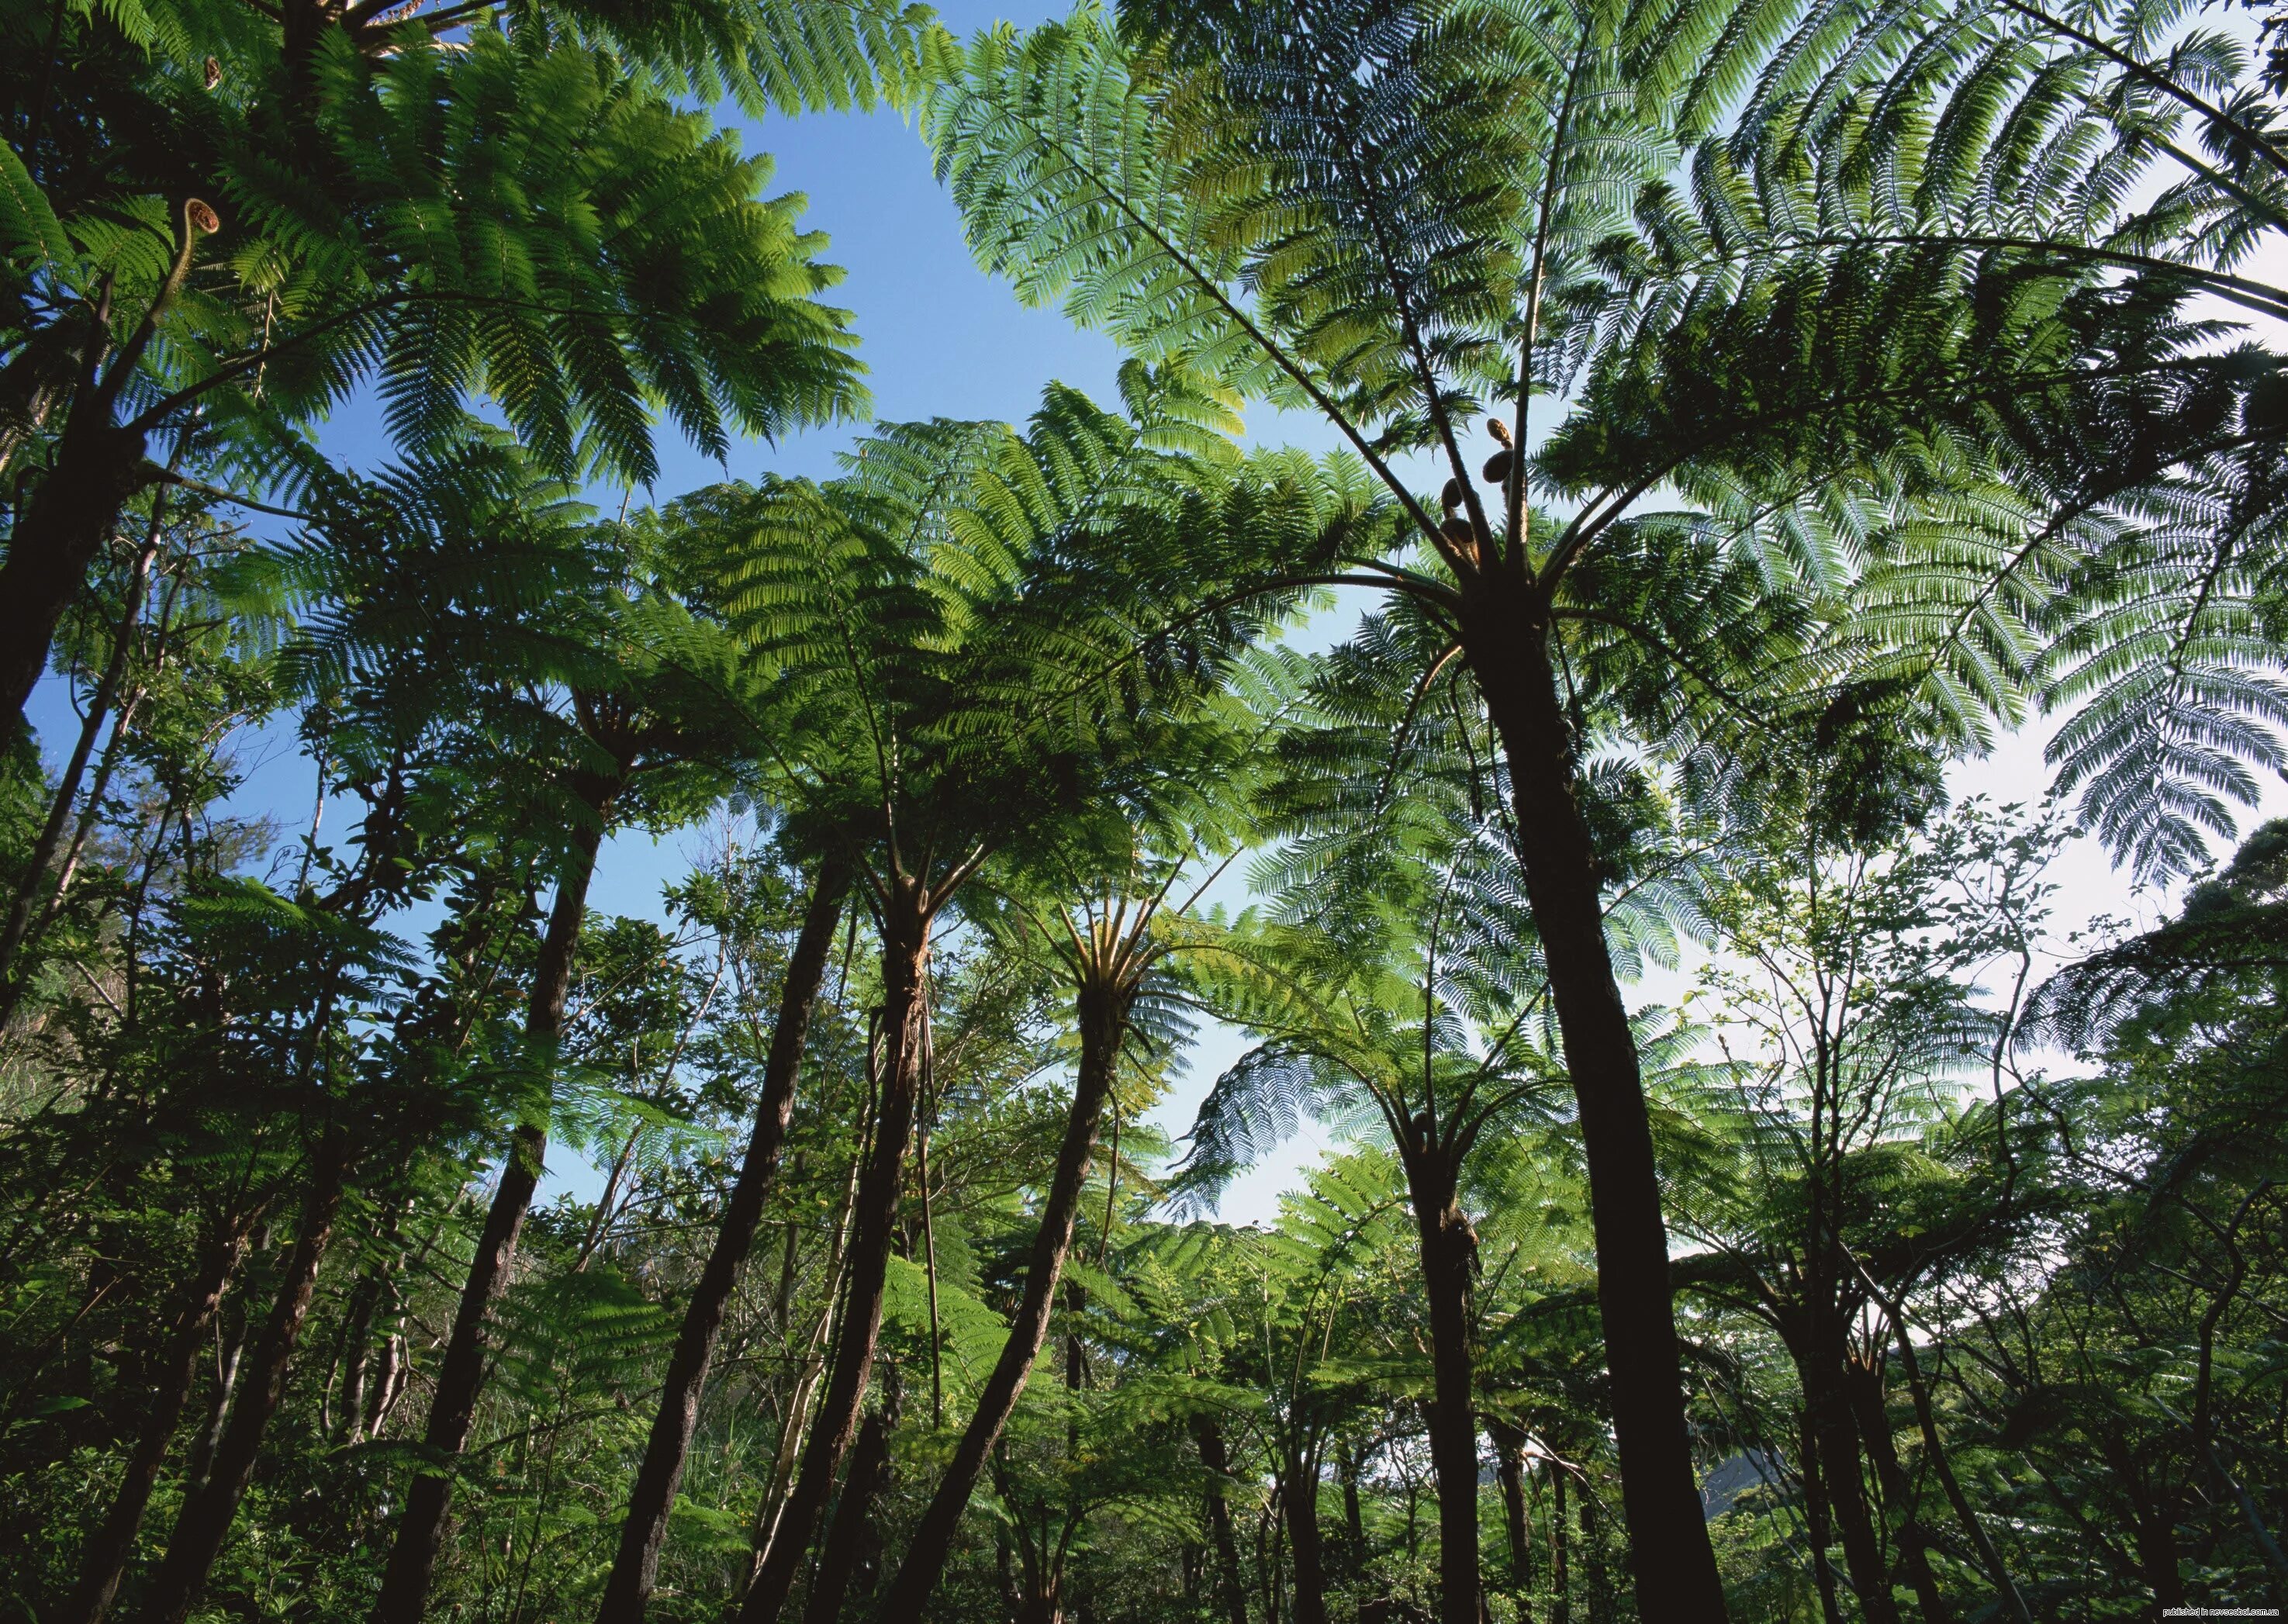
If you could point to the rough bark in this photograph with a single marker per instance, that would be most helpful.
(635, 1569)
(1505, 638)
(206, 1512)
(1103, 1020)
(845, 1535)
(1448, 1245)
(460, 1377)
(905, 952)
(104, 1561)
(1231, 1588)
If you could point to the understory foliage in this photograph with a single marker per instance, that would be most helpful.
(1546, 807)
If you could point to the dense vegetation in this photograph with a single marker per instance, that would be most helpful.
(1751, 409)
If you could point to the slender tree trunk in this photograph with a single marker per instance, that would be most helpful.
(905, 954)
(1864, 1383)
(1561, 1554)
(1347, 1468)
(1103, 1022)
(845, 1535)
(1592, 1555)
(207, 1513)
(453, 1404)
(635, 1569)
(1231, 1589)
(1837, 1440)
(105, 1560)
(97, 468)
(1505, 641)
(1509, 1458)
(1300, 1490)
(38, 883)
(1448, 1247)
(1935, 1452)
(1819, 1524)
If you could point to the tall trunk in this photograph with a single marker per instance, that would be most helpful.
(1507, 643)
(1935, 1452)
(1347, 1468)
(1509, 1460)
(1447, 1247)
(1864, 1384)
(1818, 1525)
(105, 1560)
(453, 1404)
(1103, 1012)
(1300, 1490)
(1838, 1443)
(1560, 1562)
(98, 467)
(38, 884)
(1593, 1557)
(206, 1512)
(905, 954)
(845, 1535)
(635, 1569)
(1231, 1589)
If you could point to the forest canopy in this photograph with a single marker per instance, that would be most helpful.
(1750, 1193)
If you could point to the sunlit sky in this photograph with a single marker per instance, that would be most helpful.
(941, 337)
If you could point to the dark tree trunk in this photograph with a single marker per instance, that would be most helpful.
(1230, 1588)
(846, 1536)
(905, 954)
(460, 1377)
(105, 1560)
(634, 1569)
(1300, 1490)
(1561, 1554)
(1593, 1553)
(207, 1513)
(1818, 1526)
(1838, 1443)
(1505, 638)
(39, 882)
(1935, 1452)
(1509, 1457)
(97, 468)
(1346, 1466)
(1103, 1021)
(1447, 1247)
(1864, 1383)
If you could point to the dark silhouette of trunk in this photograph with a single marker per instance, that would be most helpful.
(105, 1560)
(1506, 638)
(1592, 1555)
(1838, 1443)
(1509, 1460)
(1935, 1452)
(40, 885)
(1231, 1590)
(460, 1377)
(905, 921)
(208, 1510)
(1301, 1491)
(1449, 1247)
(1347, 1468)
(1561, 1554)
(1865, 1385)
(1103, 1011)
(97, 468)
(1818, 1525)
(846, 1536)
(635, 1569)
